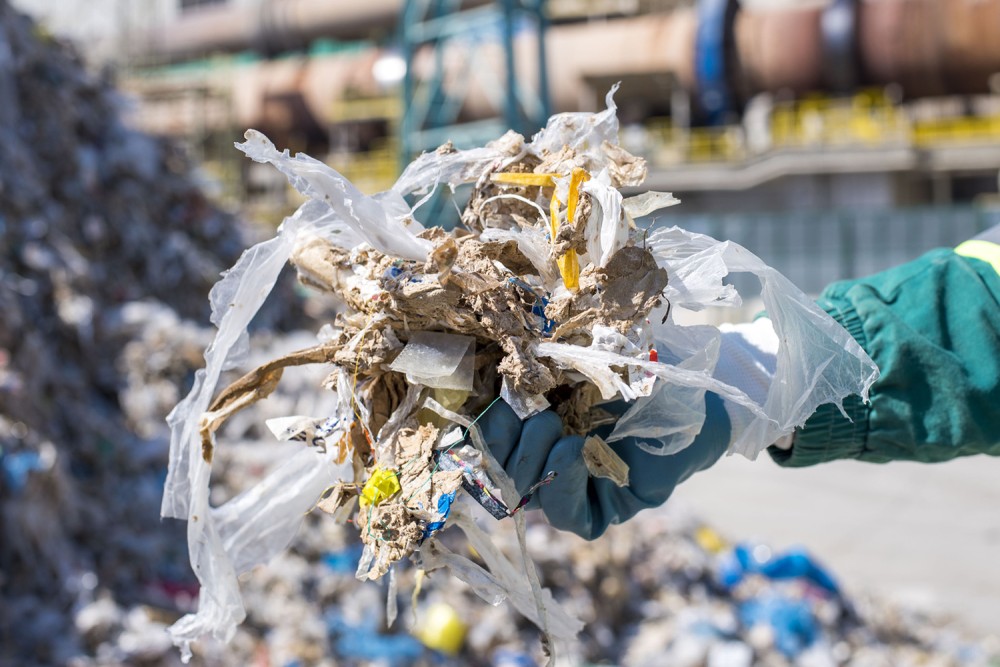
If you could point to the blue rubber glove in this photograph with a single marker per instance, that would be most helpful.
(576, 502)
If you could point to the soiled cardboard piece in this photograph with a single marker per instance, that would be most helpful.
(256, 385)
(393, 528)
(602, 461)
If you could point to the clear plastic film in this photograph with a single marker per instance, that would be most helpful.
(584, 133)
(441, 360)
(520, 584)
(818, 361)
(455, 167)
(258, 524)
(370, 218)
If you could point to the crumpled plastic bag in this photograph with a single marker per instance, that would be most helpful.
(818, 360)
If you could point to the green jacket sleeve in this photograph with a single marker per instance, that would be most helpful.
(933, 328)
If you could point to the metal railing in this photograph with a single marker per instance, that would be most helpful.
(698, 144)
(868, 120)
(972, 130)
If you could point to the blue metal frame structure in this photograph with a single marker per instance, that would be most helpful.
(713, 59)
(431, 112)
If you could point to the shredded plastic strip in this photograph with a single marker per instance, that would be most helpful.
(363, 214)
(218, 547)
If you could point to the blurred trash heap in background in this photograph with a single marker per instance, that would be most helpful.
(108, 250)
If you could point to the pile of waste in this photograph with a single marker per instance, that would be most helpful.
(662, 590)
(107, 252)
(549, 296)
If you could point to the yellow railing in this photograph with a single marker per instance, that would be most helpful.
(968, 130)
(389, 107)
(376, 169)
(865, 120)
(868, 120)
(371, 171)
(699, 144)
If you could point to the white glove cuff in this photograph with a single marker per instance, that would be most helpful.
(748, 360)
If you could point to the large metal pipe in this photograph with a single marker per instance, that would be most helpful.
(655, 47)
(928, 46)
(642, 48)
(272, 26)
(780, 49)
(901, 43)
(841, 65)
(931, 47)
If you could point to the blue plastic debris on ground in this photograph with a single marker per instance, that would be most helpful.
(344, 561)
(794, 563)
(363, 642)
(792, 621)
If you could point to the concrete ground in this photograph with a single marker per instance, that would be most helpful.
(926, 535)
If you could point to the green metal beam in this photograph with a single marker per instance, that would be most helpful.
(430, 109)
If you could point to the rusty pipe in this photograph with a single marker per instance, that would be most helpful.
(271, 26)
(931, 47)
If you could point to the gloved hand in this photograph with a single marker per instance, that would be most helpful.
(576, 502)
(586, 506)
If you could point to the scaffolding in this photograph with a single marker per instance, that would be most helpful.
(432, 110)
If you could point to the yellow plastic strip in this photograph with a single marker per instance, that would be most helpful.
(569, 264)
(513, 178)
(569, 267)
(578, 178)
(554, 214)
(983, 250)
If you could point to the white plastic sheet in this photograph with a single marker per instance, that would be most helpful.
(818, 361)
(369, 217)
(585, 133)
(648, 202)
(607, 229)
(436, 359)
(258, 524)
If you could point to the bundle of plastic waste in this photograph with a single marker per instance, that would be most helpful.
(548, 295)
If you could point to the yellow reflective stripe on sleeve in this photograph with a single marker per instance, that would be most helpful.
(984, 250)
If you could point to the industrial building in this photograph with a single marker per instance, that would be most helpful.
(833, 137)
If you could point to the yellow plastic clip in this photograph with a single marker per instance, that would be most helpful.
(569, 263)
(382, 485)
